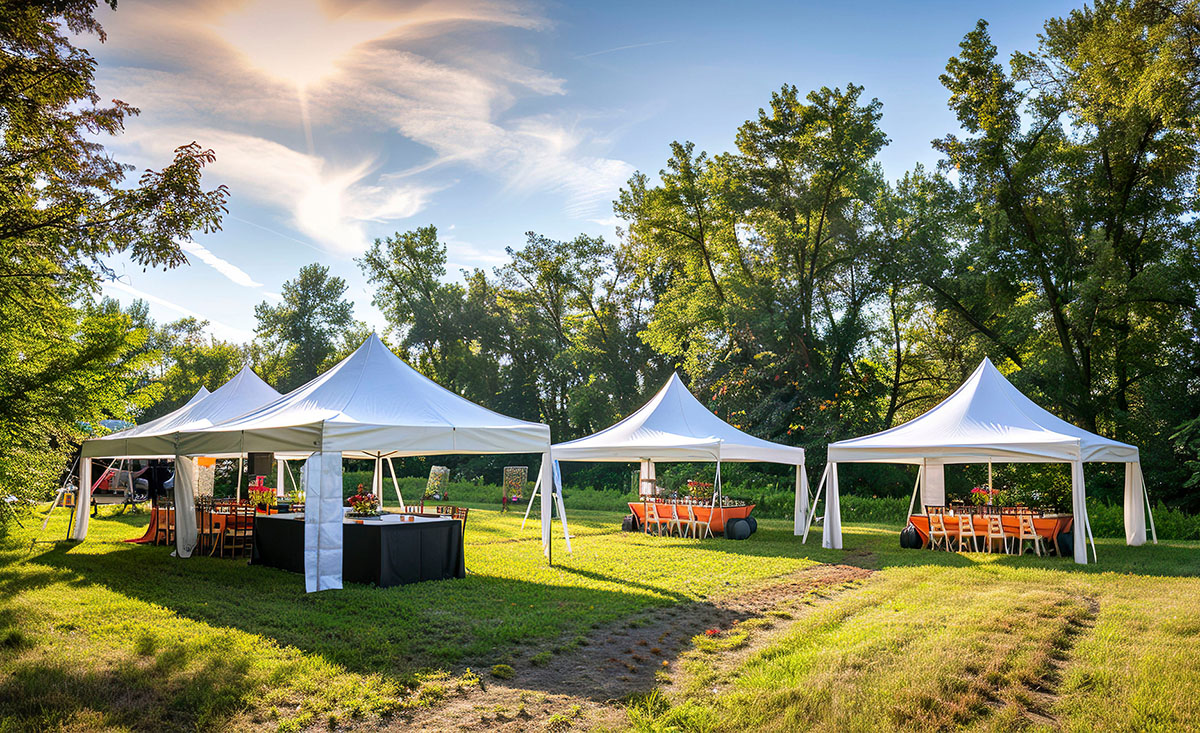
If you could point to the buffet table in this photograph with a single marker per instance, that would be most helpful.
(386, 551)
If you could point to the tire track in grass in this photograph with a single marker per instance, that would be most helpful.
(585, 680)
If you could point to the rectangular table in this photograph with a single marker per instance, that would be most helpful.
(384, 551)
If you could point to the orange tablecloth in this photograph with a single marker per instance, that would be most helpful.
(701, 511)
(1049, 527)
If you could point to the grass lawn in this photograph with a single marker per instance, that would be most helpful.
(105, 635)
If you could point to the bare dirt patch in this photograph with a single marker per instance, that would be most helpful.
(583, 686)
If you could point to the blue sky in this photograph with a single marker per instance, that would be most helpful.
(335, 123)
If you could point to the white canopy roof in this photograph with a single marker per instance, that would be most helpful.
(986, 417)
(370, 403)
(674, 426)
(241, 394)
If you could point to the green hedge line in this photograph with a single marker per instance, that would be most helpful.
(1108, 520)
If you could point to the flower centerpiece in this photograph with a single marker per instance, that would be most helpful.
(699, 489)
(981, 495)
(363, 505)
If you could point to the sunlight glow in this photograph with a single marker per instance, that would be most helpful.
(296, 41)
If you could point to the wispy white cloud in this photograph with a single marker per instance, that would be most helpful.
(116, 288)
(372, 74)
(328, 204)
(627, 47)
(235, 274)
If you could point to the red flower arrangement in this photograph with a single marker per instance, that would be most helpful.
(366, 505)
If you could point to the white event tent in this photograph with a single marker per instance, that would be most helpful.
(156, 439)
(675, 427)
(988, 419)
(370, 405)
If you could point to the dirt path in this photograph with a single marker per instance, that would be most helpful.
(583, 688)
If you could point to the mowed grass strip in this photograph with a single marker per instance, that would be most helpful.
(996, 644)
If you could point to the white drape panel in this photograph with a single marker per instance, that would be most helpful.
(933, 484)
(801, 509)
(83, 499)
(1135, 505)
(1079, 508)
(546, 477)
(831, 532)
(280, 468)
(323, 521)
(186, 474)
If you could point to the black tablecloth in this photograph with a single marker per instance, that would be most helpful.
(383, 553)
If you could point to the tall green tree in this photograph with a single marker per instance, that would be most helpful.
(755, 261)
(65, 206)
(1081, 161)
(299, 336)
(192, 359)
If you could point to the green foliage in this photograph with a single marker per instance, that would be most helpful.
(66, 360)
(502, 671)
(304, 334)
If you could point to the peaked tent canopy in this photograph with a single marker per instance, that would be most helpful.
(156, 439)
(987, 419)
(371, 404)
(673, 427)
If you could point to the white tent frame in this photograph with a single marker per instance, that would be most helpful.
(1043, 439)
(674, 427)
(300, 423)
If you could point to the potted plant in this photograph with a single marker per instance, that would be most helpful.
(263, 498)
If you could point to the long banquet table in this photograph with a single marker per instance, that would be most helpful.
(386, 551)
(1049, 526)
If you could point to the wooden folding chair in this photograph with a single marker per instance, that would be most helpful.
(966, 528)
(652, 518)
(938, 533)
(995, 531)
(1026, 532)
(164, 534)
(238, 538)
(673, 522)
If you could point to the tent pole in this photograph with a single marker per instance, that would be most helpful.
(532, 495)
(1146, 495)
(238, 493)
(376, 479)
(58, 497)
(562, 507)
(816, 498)
(989, 479)
(395, 484)
(916, 487)
(291, 477)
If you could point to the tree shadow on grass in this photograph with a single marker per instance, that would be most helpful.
(392, 631)
(176, 689)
